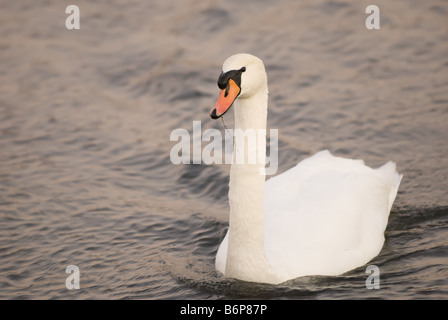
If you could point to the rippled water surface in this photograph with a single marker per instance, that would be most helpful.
(86, 116)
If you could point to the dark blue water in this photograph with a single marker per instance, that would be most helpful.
(86, 116)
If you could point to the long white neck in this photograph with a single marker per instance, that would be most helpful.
(246, 258)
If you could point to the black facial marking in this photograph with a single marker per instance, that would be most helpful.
(213, 115)
(235, 75)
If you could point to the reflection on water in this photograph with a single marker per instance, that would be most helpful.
(86, 116)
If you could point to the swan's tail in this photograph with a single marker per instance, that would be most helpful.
(390, 171)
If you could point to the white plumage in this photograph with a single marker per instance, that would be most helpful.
(325, 216)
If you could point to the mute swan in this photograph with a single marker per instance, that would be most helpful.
(325, 216)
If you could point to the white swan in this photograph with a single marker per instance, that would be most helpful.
(325, 216)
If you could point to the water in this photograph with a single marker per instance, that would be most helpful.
(86, 115)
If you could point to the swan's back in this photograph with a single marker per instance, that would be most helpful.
(327, 215)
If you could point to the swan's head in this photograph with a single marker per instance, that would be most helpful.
(242, 76)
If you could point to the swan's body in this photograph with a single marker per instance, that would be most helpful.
(325, 216)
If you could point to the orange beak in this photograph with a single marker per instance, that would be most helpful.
(225, 99)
